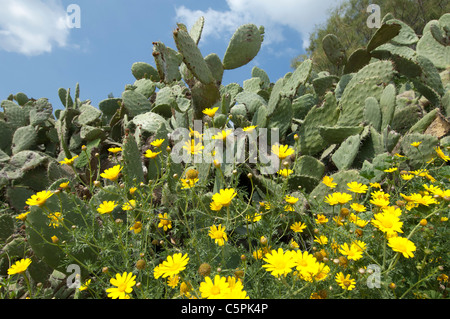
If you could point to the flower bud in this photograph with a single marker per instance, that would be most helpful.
(423, 222)
(263, 240)
(344, 211)
(140, 264)
(239, 273)
(192, 174)
(204, 269)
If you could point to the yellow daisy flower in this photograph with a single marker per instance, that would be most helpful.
(107, 207)
(285, 172)
(158, 142)
(123, 286)
(210, 112)
(441, 154)
(218, 234)
(327, 180)
(151, 154)
(402, 245)
(39, 199)
(19, 267)
(112, 173)
(115, 150)
(282, 151)
(164, 222)
(193, 148)
(68, 161)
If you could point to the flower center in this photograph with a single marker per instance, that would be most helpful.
(215, 290)
(387, 224)
(122, 287)
(281, 264)
(303, 263)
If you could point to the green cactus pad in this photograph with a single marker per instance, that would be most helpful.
(438, 53)
(149, 122)
(164, 103)
(135, 103)
(192, 56)
(383, 35)
(64, 96)
(204, 96)
(143, 70)
(145, 86)
(17, 196)
(15, 115)
(337, 134)
(21, 98)
(320, 115)
(260, 73)
(367, 82)
(90, 133)
(372, 113)
(24, 138)
(7, 133)
(357, 60)
(216, 67)
(304, 182)
(282, 117)
(251, 100)
(243, 47)
(406, 36)
(344, 156)
(6, 226)
(324, 83)
(405, 118)
(309, 166)
(298, 78)
(197, 29)
(404, 58)
(132, 165)
(89, 114)
(302, 105)
(42, 110)
(167, 62)
(109, 107)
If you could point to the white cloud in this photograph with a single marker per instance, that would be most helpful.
(299, 15)
(32, 27)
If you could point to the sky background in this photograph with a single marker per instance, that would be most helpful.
(39, 53)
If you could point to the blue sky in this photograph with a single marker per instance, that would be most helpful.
(39, 53)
